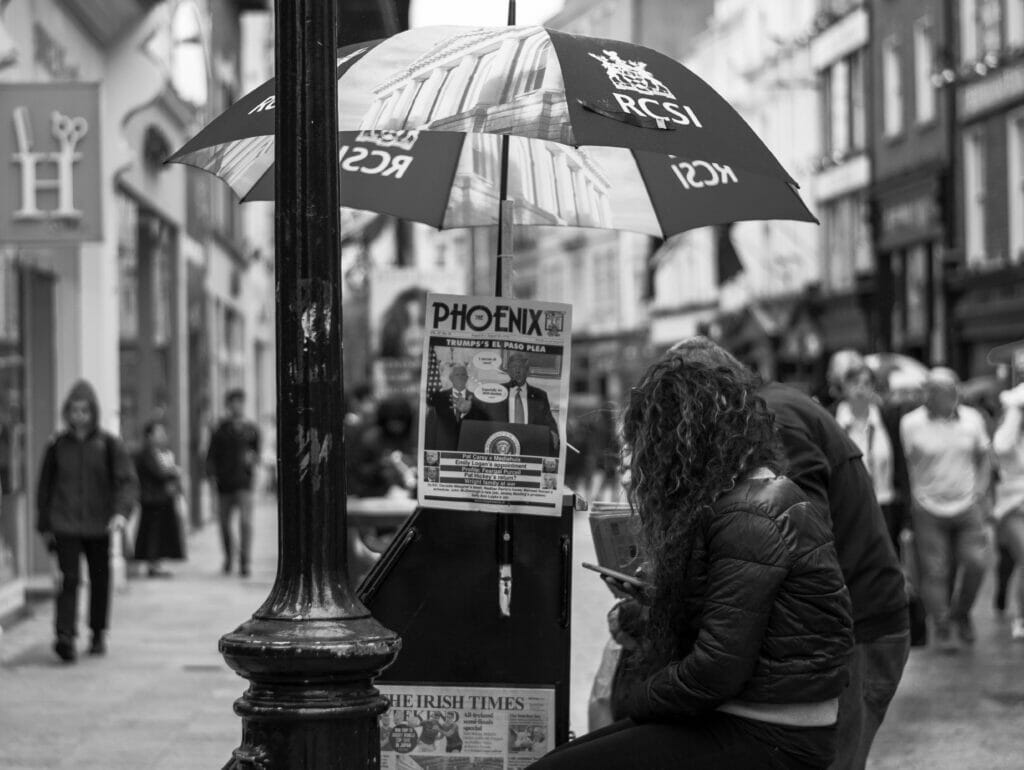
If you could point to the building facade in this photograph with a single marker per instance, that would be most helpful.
(987, 286)
(102, 273)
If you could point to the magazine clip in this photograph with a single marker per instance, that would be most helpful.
(505, 565)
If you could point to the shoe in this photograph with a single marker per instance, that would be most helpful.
(156, 572)
(1017, 629)
(965, 630)
(244, 571)
(65, 648)
(99, 644)
(944, 641)
(226, 569)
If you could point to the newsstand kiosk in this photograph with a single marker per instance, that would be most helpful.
(483, 645)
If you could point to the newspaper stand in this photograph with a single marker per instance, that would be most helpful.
(437, 586)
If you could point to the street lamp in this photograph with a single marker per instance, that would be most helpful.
(312, 650)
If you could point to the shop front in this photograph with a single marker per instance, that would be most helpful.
(49, 209)
(909, 314)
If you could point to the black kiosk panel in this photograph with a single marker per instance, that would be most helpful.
(437, 586)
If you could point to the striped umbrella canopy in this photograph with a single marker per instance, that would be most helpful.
(520, 81)
(450, 180)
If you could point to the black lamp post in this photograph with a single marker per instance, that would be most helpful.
(312, 650)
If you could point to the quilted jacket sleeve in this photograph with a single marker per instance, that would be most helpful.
(747, 562)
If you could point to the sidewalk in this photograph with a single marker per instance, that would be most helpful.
(162, 697)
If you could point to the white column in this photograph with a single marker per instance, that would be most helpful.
(422, 109)
(458, 83)
(494, 88)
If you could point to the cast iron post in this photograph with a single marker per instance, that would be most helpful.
(312, 650)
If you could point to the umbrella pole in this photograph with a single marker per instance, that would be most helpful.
(503, 287)
(312, 650)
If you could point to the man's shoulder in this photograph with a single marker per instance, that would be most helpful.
(914, 418)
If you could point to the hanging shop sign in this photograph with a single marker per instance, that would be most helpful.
(50, 152)
(910, 216)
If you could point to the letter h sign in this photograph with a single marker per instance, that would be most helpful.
(68, 132)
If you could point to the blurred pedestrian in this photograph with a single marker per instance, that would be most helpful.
(949, 464)
(827, 466)
(160, 533)
(87, 490)
(744, 651)
(231, 461)
(860, 416)
(1008, 511)
(604, 445)
(381, 461)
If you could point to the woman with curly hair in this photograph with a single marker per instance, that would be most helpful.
(745, 628)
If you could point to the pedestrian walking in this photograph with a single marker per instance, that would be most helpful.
(743, 651)
(950, 469)
(860, 416)
(826, 465)
(160, 533)
(231, 461)
(1008, 511)
(87, 490)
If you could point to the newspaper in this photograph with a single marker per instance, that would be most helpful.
(484, 728)
(494, 390)
(614, 529)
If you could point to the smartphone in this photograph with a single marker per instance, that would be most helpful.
(620, 576)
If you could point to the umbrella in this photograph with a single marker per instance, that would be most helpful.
(451, 180)
(525, 81)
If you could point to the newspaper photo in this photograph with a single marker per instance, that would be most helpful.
(494, 390)
(483, 728)
(614, 529)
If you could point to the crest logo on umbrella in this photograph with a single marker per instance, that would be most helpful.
(627, 75)
(402, 140)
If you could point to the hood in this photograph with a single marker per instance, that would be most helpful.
(83, 391)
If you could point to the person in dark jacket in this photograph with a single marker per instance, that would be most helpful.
(827, 466)
(744, 648)
(87, 490)
(231, 461)
(159, 535)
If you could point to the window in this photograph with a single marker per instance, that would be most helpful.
(924, 65)
(845, 106)
(1015, 135)
(892, 88)
(1015, 23)
(968, 30)
(974, 195)
(989, 25)
(847, 242)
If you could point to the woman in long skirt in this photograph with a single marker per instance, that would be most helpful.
(159, 536)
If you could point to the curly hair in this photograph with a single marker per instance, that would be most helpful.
(693, 427)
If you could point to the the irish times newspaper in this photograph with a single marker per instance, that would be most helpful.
(483, 728)
(494, 388)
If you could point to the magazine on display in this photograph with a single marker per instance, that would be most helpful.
(614, 529)
(486, 728)
(494, 390)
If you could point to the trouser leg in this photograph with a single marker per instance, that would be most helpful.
(69, 555)
(225, 507)
(245, 506)
(97, 555)
(970, 548)
(933, 547)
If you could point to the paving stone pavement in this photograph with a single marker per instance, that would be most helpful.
(161, 699)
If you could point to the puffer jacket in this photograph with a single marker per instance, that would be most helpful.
(84, 482)
(768, 617)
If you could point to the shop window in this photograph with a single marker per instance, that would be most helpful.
(974, 195)
(924, 66)
(892, 88)
(1015, 136)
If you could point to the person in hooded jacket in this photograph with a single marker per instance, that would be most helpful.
(743, 650)
(87, 490)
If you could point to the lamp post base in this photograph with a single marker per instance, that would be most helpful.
(311, 703)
